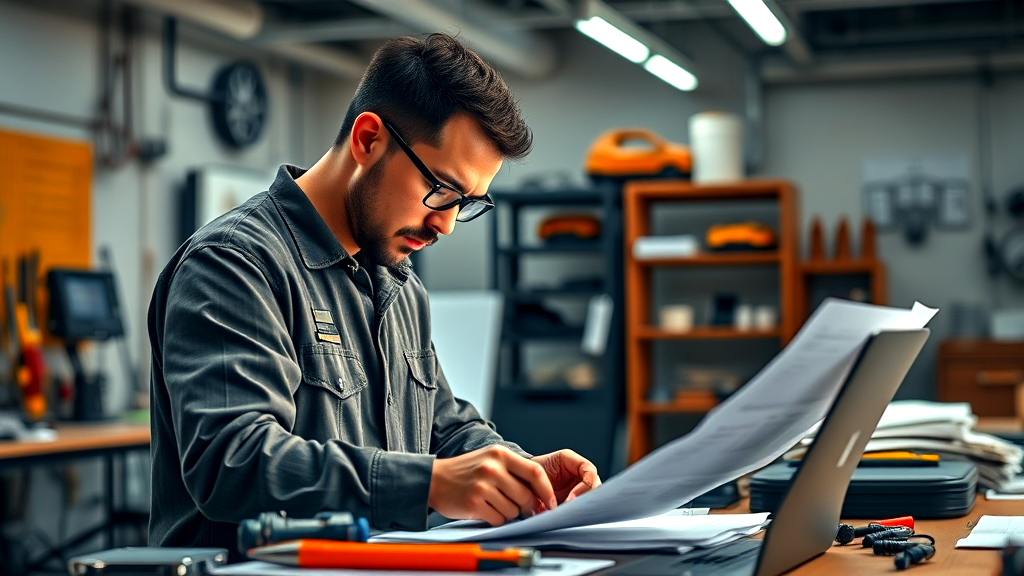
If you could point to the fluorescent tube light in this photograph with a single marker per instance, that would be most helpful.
(761, 19)
(671, 72)
(614, 39)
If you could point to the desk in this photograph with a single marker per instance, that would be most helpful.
(948, 561)
(108, 441)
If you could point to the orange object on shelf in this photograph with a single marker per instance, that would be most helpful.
(609, 155)
(746, 235)
(582, 226)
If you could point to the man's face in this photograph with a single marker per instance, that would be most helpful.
(385, 205)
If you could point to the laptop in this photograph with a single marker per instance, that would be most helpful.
(804, 526)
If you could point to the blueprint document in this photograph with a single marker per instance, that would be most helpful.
(756, 425)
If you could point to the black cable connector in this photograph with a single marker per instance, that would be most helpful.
(894, 533)
(847, 533)
(915, 555)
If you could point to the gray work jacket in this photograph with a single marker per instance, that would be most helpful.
(289, 376)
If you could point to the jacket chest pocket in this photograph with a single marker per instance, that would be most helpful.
(423, 387)
(338, 374)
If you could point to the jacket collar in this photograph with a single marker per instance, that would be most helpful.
(317, 245)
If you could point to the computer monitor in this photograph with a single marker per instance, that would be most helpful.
(83, 305)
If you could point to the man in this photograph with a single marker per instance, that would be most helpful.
(292, 363)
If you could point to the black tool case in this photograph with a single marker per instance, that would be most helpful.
(944, 491)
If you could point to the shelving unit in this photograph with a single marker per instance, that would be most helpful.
(868, 273)
(641, 200)
(543, 419)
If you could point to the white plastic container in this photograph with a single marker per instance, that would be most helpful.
(716, 140)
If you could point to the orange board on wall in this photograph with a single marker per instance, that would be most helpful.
(45, 200)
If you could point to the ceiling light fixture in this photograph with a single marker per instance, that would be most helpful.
(614, 39)
(670, 72)
(762, 20)
(634, 43)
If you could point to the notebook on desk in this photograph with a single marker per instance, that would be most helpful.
(804, 526)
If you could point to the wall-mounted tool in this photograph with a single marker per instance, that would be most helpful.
(238, 98)
(31, 369)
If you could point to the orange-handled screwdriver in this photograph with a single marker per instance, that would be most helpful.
(388, 556)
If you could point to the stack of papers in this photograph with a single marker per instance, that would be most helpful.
(993, 532)
(670, 532)
(752, 428)
(944, 429)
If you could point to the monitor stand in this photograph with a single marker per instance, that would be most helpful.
(88, 403)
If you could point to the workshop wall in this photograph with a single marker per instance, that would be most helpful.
(818, 136)
(49, 60)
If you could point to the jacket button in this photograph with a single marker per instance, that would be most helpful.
(394, 526)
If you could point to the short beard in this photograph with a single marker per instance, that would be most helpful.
(362, 206)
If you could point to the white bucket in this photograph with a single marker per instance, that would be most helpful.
(716, 141)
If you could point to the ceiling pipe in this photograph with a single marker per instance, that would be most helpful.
(243, 20)
(513, 49)
(844, 70)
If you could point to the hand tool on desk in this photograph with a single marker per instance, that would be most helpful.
(388, 556)
(31, 371)
(274, 527)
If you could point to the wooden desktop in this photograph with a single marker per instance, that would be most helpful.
(110, 441)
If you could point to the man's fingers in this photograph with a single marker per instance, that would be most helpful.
(508, 509)
(534, 476)
(520, 494)
(588, 474)
(577, 490)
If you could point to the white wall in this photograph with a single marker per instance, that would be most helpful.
(818, 135)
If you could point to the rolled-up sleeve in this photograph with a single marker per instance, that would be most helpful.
(231, 372)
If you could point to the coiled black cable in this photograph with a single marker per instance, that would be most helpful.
(894, 533)
(893, 547)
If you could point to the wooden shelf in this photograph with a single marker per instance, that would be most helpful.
(716, 259)
(675, 190)
(641, 201)
(692, 402)
(705, 333)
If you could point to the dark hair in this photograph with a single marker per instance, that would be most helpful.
(418, 84)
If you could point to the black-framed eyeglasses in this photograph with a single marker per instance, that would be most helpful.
(442, 196)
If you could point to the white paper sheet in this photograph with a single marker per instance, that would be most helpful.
(991, 494)
(546, 567)
(993, 532)
(667, 531)
(753, 427)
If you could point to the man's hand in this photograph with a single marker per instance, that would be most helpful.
(492, 484)
(570, 474)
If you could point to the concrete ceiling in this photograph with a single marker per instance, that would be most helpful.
(515, 34)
